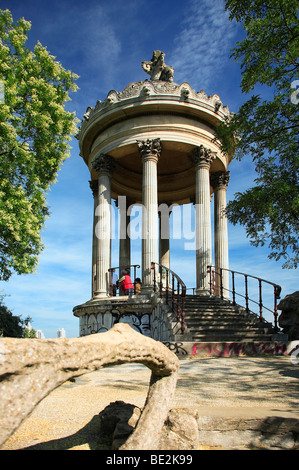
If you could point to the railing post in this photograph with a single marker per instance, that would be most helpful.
(177, 302)
(221, 283)
(260, 299)
(210, 272)
(246, 293)
(233, 288)
(153, 267)
(167, 285)
(110, 276)
(172, 289)
(134, 278)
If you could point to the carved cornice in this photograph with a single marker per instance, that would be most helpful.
(203, 156)
(150, 148)
(220, 179)
(103, 164)
(151, 89)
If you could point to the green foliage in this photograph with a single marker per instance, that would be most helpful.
(34, 132)
(267, 129)
(10, 325)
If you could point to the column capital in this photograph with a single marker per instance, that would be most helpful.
(103, 163)
(203, 156)
(94, 187)
(220, 179)
(150, 149)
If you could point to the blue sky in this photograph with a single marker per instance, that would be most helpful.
(104, 43)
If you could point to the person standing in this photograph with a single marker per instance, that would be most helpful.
(126, 284)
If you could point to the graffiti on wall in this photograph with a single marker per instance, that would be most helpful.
(238, 349)
(101, 322)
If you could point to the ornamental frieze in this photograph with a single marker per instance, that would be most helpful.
(146, 90)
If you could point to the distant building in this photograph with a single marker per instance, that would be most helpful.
(40, 334)
(61, 333)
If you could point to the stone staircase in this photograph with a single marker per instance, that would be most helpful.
(210, 319)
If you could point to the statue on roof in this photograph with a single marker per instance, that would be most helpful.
(157, 68)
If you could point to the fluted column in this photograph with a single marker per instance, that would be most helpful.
(202, 158)
(124, 239)
(94, 188)
(150, 151)
(219, 182)
(164, 252)
(104, 165)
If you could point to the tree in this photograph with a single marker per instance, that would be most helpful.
(34, 132)
(28, 331)
(13, 326)
(10, 325)
(267, 129)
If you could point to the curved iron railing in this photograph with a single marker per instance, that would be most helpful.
(216, 279)
(171, 287)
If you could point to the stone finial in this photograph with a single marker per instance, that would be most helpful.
(220, 179)
(203, 156)
(150, 148)
(103, 163)
(157, 68)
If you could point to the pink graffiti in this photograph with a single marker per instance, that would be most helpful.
(238, 349)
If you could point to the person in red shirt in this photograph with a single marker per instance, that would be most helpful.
(126, 284)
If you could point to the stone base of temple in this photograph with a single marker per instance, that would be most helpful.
(147, 314)
(152, 317)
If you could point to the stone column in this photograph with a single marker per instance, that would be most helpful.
(104, 165)
(124, 239)
(219, 182)
(164, 252)
(150, 151)
(202, 158)
(94, 188)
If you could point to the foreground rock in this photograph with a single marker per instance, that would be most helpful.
(31, 368)
(288, 320)
(179, 432)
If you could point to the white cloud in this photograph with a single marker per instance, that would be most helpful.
(202, 46)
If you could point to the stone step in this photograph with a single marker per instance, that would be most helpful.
(231, 337)
(218, 316)
(227, 326)
(225, 319)
(211, 319)
(212, 311)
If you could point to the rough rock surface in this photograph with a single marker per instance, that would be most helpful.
(31, 368)
(179, 432)
(288, 320)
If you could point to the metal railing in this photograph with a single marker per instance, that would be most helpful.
(171, 287)
(113, 286)
(216, 279)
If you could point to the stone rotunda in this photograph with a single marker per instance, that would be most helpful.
(152, 144)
